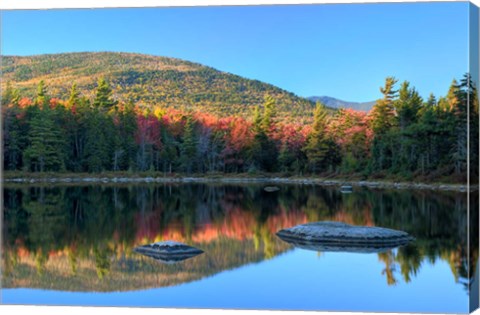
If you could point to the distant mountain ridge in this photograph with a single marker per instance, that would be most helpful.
(337, 103)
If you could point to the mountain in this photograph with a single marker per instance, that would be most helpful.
(336, 103)
(148, 80)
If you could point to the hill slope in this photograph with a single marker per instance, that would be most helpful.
(336, 103)
(148, 80)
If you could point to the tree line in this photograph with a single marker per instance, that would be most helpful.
(403, 135)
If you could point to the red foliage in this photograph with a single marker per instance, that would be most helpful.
(148, 131)
(25, 102)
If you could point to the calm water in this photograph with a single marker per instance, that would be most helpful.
(73, 246)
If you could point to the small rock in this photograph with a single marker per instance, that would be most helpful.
(271, 188)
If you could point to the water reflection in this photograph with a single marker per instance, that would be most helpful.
(168, 252)
(81, 238)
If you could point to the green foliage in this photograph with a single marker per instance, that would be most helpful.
(103, 99)
(45, 151)
(320, 149)
(383, 111)
(188, 153)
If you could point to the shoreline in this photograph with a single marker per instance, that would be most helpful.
(100, 179)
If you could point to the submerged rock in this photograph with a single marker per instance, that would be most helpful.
(271, 188)
(337, 236)
(168, 251)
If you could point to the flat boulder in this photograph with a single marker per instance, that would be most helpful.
(337, 236)
(168, 251)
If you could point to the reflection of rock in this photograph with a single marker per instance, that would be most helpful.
(271, 188)
(337, 236)
(168, 252)
(346, 189)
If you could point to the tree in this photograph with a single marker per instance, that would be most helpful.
(45, 149)
(97, 147)
(383, 113)
(382, 121)
(42, 98)
(269, 114)
(264, 152)
(407, 105)
(74, 97)
(103, 99)
(128, 129)
(13, 138)
(188, 153)
(320, 149)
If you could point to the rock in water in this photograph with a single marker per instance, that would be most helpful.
(168, 251)
(271, 188)
(346, 189)
(337, 236)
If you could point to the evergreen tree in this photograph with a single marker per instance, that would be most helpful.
(41, 98)
(460, 102)
(264, 152)
(269, 114)
(188, 153)
(74, 97)
(383, 113)
(383, 120)
(45, 148)
(96, 150)
(320, 148)
(103, 99)
(407, 105)
(128, 129)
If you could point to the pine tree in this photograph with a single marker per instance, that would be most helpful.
(318, 145)
(128, 128)
(407, 105)
(264, 152)
(13, 138)
(41, 98)
(383, 113)
(96, 150)
(74, 97)
(269, 114)
(45, 149)
(188, 154)
(103, 99)
(459, 102)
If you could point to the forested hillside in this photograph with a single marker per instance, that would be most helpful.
(95, 130)
(148, 81)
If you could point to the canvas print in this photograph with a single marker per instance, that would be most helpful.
(319, 157)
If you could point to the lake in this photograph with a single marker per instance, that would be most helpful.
(73, 245)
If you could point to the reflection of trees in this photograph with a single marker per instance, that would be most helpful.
(91, 230)
(410, 260)
(388, 258)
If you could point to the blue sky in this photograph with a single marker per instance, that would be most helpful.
(340, 50)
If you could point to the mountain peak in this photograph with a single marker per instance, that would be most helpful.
(338, 103)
